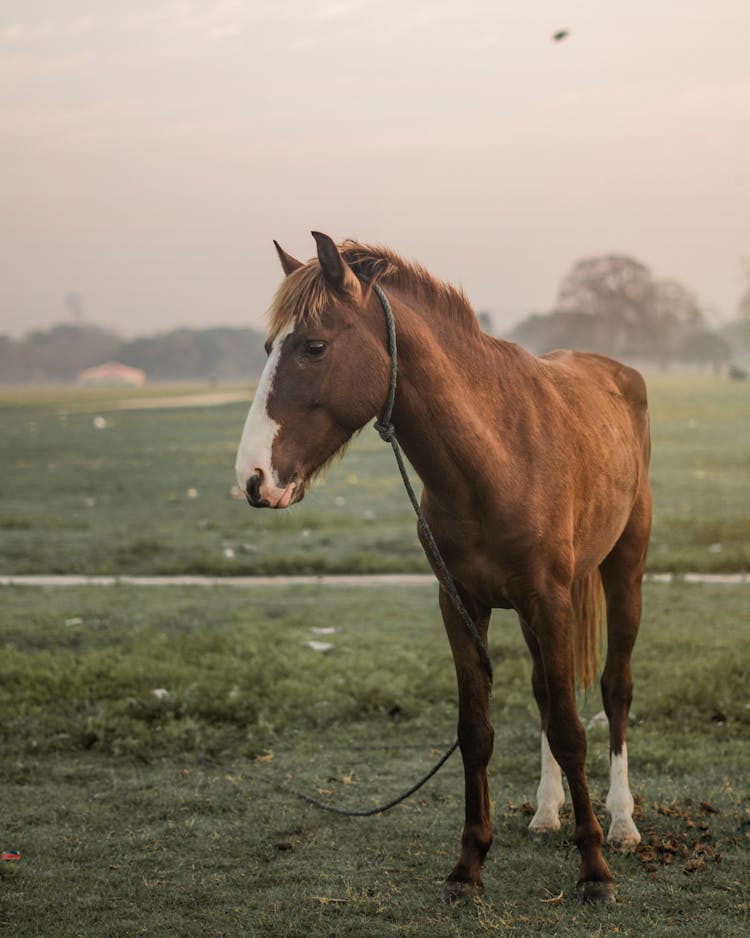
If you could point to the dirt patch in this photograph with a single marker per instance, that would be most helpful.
(207, 399)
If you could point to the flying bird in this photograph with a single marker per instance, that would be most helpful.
(560, 35)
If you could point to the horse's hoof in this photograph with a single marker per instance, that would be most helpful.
(623, 835)
(624, 846)
(544, 823)
(455, 891)
(596, 892)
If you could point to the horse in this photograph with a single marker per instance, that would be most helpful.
(535, 486)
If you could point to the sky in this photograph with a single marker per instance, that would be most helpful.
(151, 151)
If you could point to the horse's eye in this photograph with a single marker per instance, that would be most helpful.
(315, 348)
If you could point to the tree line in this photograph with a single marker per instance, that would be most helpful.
(613, 304)
(610, 303)
(58, 354)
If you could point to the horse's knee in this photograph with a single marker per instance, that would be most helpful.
(476, 739)
(616, 688)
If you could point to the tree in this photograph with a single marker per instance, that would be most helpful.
(219, 353)
(612, 304)
(743, 305)
(737, 332)
(543, 332)
(620, 291)
(57, 354)
(676, 314)
(484, 318)
(706, 348)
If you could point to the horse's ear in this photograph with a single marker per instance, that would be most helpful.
(288, 263)
(378, 268)
(336, 271)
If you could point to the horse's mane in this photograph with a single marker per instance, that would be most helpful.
(304, 294)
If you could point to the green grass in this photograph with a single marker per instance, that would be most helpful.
(700, 472)
(150, 493)
(144, 814)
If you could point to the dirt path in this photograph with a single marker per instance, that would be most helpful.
(248, 582)
(203, 399)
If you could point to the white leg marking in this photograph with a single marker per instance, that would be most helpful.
(620, 804)
(550, 795)
(254, 451)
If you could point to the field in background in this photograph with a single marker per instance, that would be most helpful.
(89, 487)
(145, 731)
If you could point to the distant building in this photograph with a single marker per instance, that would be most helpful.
(112, 374)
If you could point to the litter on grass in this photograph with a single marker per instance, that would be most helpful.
(319, 646)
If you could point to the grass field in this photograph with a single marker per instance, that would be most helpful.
(146, 732)
(149, 491)
(150, 813)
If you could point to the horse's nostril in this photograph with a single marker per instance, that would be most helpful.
(253, 489)
(253, 486)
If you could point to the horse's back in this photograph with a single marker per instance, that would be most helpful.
(623, 384)
(600, 368)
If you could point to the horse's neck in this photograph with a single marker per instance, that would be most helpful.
(448, 380)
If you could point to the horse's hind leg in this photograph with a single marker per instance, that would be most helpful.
(622, 573)
(550, 795)
(548, 615)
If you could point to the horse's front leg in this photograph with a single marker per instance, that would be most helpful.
(475, 735)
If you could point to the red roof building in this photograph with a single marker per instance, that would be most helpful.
(112, 374)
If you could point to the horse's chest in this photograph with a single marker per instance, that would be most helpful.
(482, 566)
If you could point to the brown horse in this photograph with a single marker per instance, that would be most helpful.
(535, 474)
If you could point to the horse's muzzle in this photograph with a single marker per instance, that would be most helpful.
(252, 493)
(260, 494)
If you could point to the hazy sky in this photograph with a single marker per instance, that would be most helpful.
(150, 151)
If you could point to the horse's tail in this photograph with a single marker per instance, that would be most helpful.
(588, 635)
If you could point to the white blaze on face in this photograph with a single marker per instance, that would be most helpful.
(254, 452)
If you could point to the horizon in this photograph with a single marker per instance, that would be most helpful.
(153, 152)
(90, 324)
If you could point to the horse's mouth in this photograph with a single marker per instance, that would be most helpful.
(288, 496)
(277, 497)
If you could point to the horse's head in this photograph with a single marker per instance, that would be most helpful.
(325, 377)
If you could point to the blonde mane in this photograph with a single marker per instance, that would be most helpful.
(304, 294)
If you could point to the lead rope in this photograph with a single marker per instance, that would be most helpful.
(387, 432)
(366, 812)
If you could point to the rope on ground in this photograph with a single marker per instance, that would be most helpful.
(361, 812)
